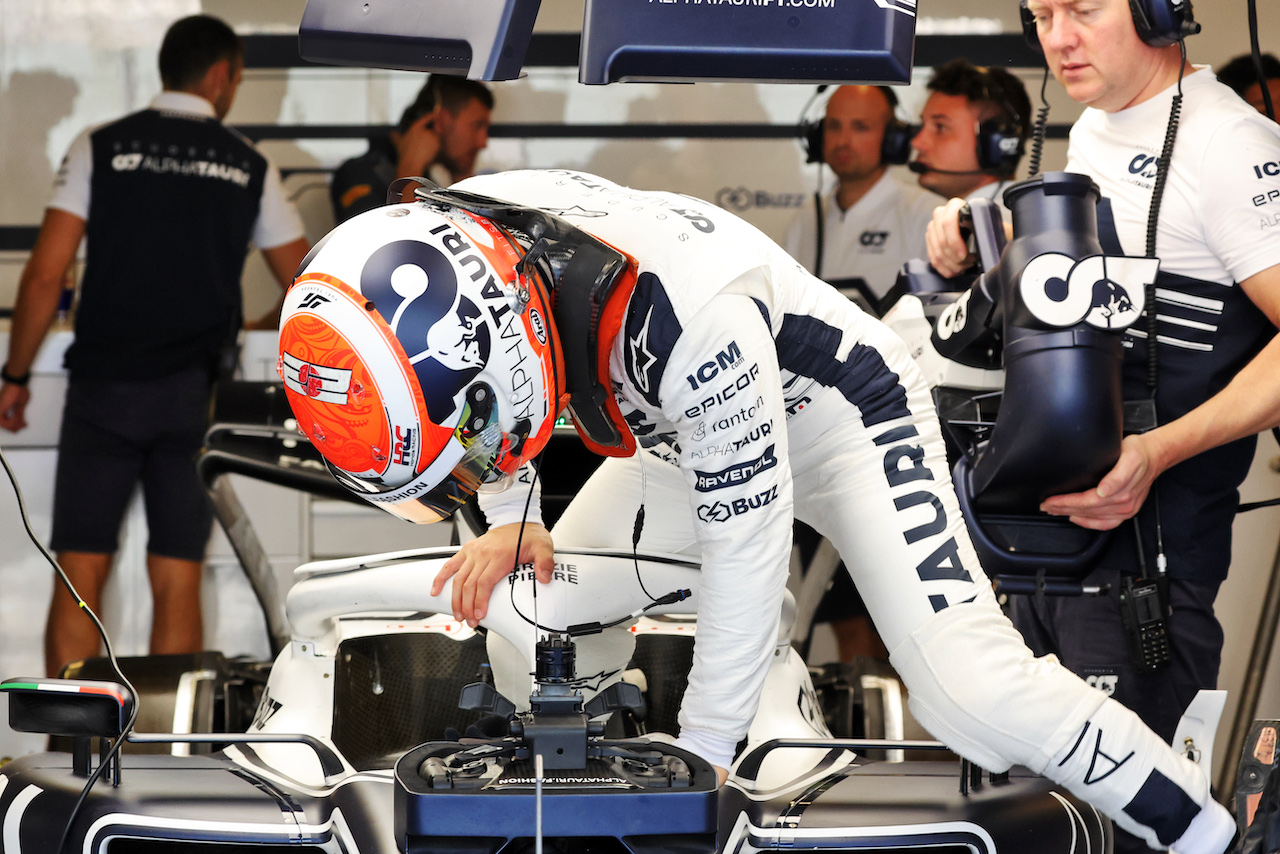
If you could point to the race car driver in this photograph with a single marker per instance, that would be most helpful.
(759, 393)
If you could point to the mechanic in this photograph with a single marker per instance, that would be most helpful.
(869, 223)
(759, 394)
(169, 200)
(974, 129)
(1217, 304)
(857, 239)
(439, 135)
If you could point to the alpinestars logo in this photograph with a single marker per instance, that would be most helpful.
(641, 358)
(734, 475)
(721, 512)
(327, 385)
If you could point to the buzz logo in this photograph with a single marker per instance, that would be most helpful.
(722, 512)
(1105, 291)
(320, 383)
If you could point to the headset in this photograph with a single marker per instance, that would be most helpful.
(1159, 22)
(999, 141)
(895, 149)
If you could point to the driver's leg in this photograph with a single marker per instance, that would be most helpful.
(882, 494)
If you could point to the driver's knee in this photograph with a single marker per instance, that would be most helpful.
(974, 685)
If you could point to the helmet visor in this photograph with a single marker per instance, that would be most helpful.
(420, 500)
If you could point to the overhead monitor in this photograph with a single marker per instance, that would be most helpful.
(819, 41)
(481, 39)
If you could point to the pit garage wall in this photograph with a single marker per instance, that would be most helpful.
(64, 66)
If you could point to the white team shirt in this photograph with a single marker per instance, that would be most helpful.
(278, 221)
(872, 240)
(1218, 220)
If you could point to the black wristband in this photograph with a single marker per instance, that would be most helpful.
(11, 379)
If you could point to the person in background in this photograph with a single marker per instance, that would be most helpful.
(168, 200)
(974, 129)
(1242, 76)
(857, 238)
(439, 136)
(1217, 308)
(861, 232)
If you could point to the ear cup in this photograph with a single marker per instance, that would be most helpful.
(811, 137)
(1162, 22)
(1029, 27)
(895, 150)
(1000, 146)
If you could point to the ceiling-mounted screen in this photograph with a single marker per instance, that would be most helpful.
(820, 41)
(481, 39)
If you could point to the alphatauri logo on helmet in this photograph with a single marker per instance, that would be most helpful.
(325, 384)
(415, 288)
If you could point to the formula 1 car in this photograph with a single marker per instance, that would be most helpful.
(356, 742)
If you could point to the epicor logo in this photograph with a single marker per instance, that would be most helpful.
(874, 239)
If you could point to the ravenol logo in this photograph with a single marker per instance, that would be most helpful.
(736, 474)
(318, 382)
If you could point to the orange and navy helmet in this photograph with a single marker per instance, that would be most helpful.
(420, 357)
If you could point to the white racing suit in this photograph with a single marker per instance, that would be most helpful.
(777, 398)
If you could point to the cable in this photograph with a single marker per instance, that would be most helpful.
(116, 746)
(579, 629)
(1157, 196)
(1039, 128)
(1257, 60)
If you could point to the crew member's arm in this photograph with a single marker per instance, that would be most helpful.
(279, 232)
(36, 306)
(948, 250)
(1249, 404)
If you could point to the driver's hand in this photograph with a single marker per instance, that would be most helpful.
(948, 251)
(722, 776)
(483, 562)
(1118, 495)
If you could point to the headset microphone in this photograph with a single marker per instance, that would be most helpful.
(921, 169)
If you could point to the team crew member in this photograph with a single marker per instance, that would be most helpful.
(775, 397)
(974, 129)
(1217, 305)
(169, 200)
(857, 238)
(439, 135)
(870, 223)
